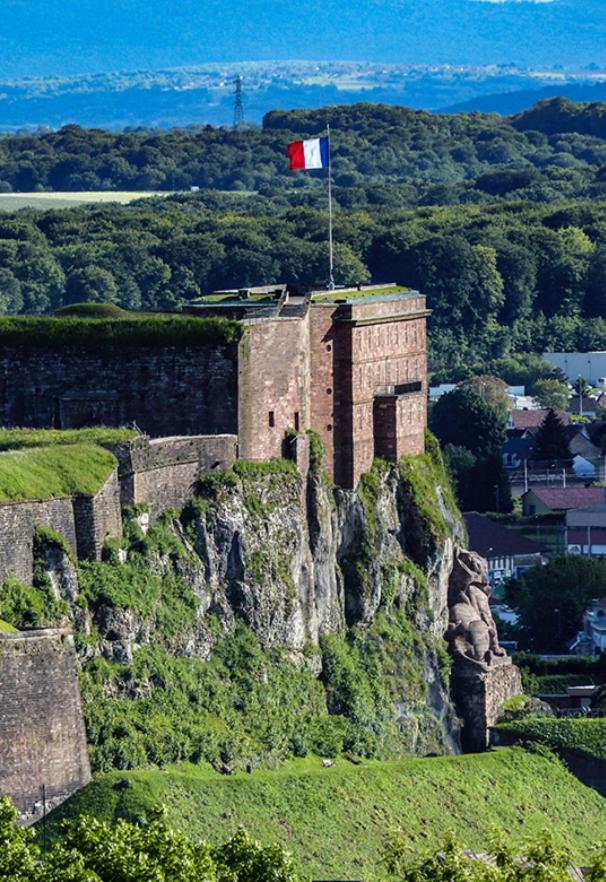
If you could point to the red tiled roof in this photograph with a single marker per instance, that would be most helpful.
(562, 498)
(488, 536)
(532, 419)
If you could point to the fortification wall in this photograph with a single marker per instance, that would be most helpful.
(98, 518)
(165, 390)
(42, 735)
(274, 385)
(84, 521)
(163, 472)
(17, 525)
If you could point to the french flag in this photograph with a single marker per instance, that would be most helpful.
(308, 154)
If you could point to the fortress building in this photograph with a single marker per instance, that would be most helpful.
(350, 364)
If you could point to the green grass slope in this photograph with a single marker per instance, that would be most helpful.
(47, 472)
(334, 820)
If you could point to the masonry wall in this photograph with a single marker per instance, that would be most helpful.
(163, 472)
(98, 518)
(379, 347)
(17, 525)
(165, 390)
(273, 385)
(42, 735)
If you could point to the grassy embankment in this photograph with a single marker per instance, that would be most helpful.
(47, 463)
(334, 820)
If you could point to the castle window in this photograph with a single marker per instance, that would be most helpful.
(297, 421)
(329, 427)
(329, 391)
(272, 419)
(329, 347)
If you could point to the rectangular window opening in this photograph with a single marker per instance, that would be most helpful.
(272, 419)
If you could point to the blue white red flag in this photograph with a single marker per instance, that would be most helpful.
(308, 154)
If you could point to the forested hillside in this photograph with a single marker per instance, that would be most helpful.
(382, 155)
(500, 279)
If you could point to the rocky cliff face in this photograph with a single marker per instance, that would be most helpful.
(312, 571)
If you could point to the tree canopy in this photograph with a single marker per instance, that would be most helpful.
(550, 600)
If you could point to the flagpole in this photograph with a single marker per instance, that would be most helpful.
(331, 280)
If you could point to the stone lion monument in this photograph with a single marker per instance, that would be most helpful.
(471, 632)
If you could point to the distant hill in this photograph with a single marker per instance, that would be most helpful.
(511, 102)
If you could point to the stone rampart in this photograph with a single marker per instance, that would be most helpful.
(42, 734)
(162, 472)
(165, 390)
(18, 523)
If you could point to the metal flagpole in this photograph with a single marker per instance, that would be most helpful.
(331, 280)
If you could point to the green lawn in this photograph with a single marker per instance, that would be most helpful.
(5, 628)
(334, 820)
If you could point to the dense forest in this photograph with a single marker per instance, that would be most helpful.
(382, 155)
(516, 270)
(500, 279)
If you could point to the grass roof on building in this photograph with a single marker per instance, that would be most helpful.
(136, 329)
(18, 439)
(54, 471)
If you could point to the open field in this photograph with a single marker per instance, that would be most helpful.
(335, 820)
(42, 201)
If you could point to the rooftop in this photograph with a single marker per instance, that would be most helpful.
(562, 498)
(491, 539)
(532, 419)
(271, 296)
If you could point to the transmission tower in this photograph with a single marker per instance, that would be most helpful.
(238, 103)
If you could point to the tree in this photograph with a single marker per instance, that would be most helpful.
(91, 284)
(550, 600)
(551, 393)
(89, 850)
(551, 443)
(471, 429)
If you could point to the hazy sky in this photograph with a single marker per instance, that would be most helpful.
(67, 36)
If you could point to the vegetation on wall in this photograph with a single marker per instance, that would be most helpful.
(143, 330)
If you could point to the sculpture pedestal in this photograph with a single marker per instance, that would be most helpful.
(479, 695)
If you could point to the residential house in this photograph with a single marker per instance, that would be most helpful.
(507, 552)
(541, 500)
(529, 421)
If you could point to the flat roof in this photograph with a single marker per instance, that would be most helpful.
(270, 295)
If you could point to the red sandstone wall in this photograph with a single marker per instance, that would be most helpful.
(378, 345)
(324, 418)
(273, 383)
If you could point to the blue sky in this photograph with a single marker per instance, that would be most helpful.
(41, 37)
